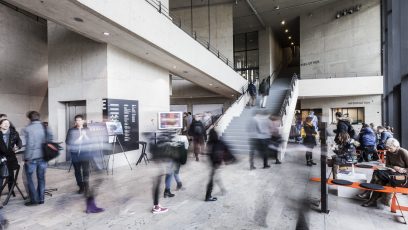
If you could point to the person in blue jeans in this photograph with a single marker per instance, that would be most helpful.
(35, 136)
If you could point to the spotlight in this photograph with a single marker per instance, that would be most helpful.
(276, 7)
(106, 33)
(350, 11)
(286, 30)
(344, 13)
(283, 22)
(290, 37)
(292, 43)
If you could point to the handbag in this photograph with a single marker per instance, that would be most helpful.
(50, 149)
(3, 168)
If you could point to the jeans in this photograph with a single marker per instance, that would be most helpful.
(81, 169)
(173, 170)
(40, 166)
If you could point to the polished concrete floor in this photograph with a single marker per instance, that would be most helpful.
(281, 197)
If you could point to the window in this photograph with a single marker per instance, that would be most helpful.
(246, 55)
(356, 114)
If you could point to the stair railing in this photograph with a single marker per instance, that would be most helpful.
(287, 111)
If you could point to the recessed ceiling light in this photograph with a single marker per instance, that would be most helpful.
(283, 22)
(174, 67)
(78, 19)
(290, 37)
(106, 33)
(232, 95)
(292, 43)
(210, 84)
(276, 7)
(286, 30)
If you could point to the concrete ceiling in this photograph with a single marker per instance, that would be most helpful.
(245, 19)
(93, 26)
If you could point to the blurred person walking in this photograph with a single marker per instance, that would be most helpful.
(78, 141)
(173, 169)
(252, 93)
(276, 137)
(264, 92)
(9, 143)
(219, 153)
(83, 147)
(35, 135)
(197, 131)
(258, 129)
(309, 140)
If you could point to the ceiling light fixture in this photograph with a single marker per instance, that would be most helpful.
(290, 37)
(210, 84)
(283, 22)
(106, 33)
(174, 67)
(276, 7)
(78, 19)
(292, 43)
(286, 30)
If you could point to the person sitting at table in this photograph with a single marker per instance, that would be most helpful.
(396, 164)
(345, 153)
(368, 141)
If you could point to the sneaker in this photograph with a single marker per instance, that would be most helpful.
(157, 209)
(266, 166)
(211, 198)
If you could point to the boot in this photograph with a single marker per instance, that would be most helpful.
(308, 159)
(91, 206)
(179, 185)
(372, 202)
(167, 193)
(81, 188)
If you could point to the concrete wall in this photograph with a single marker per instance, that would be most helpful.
(219, 31)
(23, 66)
(371, 104)
(341, 86)
(132, 78)
(77, 71)
(348, 44)
(270, 53)
(190, 102)
(151, 26)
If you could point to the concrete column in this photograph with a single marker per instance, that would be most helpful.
(270, 53)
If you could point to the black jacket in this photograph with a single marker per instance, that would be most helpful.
(7, 151)
(197, 129)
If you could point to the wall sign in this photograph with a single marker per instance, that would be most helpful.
(359, 103)
(310, 63)
(127, 113)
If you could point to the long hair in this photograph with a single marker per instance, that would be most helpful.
(343, 137)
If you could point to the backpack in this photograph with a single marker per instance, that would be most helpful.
(198, 130)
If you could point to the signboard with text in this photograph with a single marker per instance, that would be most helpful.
(125, 112)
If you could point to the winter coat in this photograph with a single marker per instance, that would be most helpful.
(384, 136)
(252, 89)
(346, 153)
(8, 150)
(367, 137)
(220, 152)
(309, 134)
(197, 129)
(344, 125)
(81, 147)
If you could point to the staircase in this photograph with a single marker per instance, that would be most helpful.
(236, 135)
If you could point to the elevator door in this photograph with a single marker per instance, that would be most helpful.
(72, 109)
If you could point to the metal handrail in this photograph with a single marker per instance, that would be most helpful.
(288, 95)
(177, 21)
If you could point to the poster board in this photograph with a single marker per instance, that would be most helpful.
(170, 120)
(125, 112)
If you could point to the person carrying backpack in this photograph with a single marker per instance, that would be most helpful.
(197, 131)
(343, 125)
(252, 92)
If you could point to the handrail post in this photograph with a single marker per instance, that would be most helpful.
(323, 160)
